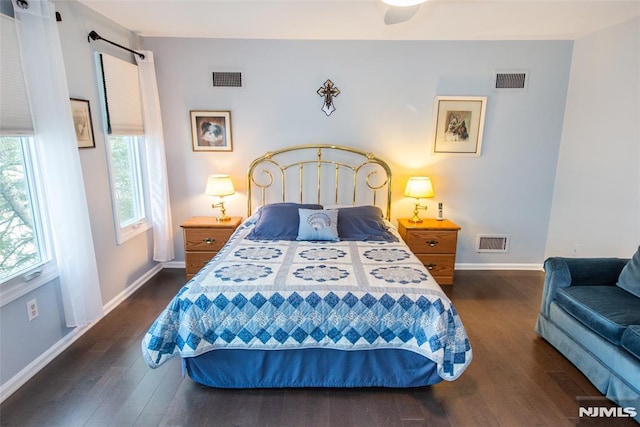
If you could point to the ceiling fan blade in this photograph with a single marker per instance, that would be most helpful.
(398, 14)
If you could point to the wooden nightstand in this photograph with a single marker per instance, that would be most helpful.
(434, 243)
(204, 236)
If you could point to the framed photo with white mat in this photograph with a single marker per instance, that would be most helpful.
(458, 125)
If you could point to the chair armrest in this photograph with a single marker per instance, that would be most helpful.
(565, 272)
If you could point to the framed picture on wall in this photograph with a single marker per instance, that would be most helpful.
(459, 123)
(81, 113)
(211, 130)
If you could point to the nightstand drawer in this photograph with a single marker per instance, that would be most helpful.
(205, 239)
(196, 260)
(439, 265)
(426, 241)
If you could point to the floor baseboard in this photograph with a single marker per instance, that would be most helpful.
(174, 264)
(498, 266)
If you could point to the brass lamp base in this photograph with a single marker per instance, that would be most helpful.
(416, 219)
(223, 217)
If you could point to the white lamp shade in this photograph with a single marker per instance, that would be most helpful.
(402, 3)
(419, 187)
(219, 185)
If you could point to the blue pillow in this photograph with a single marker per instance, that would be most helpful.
(318, 225)
(629, 278)
(363, 223)
(278, 221)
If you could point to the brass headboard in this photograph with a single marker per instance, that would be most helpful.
(316, 173)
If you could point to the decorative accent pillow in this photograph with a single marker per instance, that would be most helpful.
(278, 221)
(629, 278)
(363, 223)
(318, 225)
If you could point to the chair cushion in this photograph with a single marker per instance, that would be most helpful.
(629, 279)
(606, 310)
(631, 340)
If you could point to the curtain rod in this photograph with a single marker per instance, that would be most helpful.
(94, 36)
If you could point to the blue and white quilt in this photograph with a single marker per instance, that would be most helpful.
(351, 295)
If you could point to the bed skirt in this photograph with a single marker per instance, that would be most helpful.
(232, 368)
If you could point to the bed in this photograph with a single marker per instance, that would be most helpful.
(314, 289)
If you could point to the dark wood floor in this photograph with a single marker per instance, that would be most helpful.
(515, 379)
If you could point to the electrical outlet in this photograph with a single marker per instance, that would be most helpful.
(32, 309)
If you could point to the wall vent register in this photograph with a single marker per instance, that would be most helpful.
(227, 79)
(510, 80)
(492, 243)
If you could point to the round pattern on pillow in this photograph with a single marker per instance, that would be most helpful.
(319, 220)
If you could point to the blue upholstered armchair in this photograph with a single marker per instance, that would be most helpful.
(591, 313)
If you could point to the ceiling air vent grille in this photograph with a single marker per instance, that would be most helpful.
(510, 80)
(492, 243)
(227, 79)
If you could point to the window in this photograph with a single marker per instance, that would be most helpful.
(125, 145)
(25, 245)
(128, 190)
(23, 248)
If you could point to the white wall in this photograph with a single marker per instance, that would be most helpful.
(596, 203)
(385, 106)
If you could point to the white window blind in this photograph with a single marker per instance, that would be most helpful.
(121, 94)
(15, 114)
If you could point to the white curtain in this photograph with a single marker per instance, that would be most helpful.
(156, 160)
(62, 174)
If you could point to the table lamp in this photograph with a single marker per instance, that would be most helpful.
(220, 186)
(418, 187)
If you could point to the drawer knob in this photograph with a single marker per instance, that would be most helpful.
(430, 266)
(208, 240)
(432, 243)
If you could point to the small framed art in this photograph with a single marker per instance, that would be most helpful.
(81, 113)
(459, 123)
(211, 130)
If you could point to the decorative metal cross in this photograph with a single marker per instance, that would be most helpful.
(328, 91)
